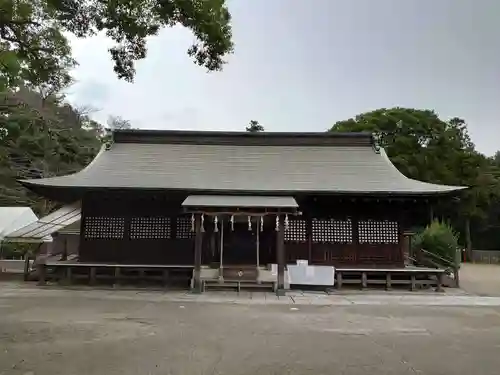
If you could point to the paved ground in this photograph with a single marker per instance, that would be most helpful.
(482, 279)
(12, 266)
(87, 332)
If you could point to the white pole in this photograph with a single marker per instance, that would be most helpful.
(221, 278)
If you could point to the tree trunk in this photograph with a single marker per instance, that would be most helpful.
(468, 241)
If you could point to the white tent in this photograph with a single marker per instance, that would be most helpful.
(15, 218)
(41, 229)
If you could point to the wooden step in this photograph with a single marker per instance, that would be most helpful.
(238, 285)
(240, 273)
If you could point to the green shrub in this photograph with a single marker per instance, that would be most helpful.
(438, 238)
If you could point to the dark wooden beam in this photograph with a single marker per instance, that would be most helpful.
(83, 220)
(250, 211)
(404, 241)
(197, 287)
(280, 255)
(355, 235)
(309, 238)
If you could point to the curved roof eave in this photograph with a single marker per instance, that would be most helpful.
(53, 181)
(436, 188)
(210, 171)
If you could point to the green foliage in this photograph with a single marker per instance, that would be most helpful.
(45, 137)
(496, 158)
(9, 250)
(118, 123)
(426, 148)
(35, 50)
(437, 238)
(414, 140)
(254, 127)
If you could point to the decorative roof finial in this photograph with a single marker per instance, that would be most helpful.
(108, 133)
(376, 142)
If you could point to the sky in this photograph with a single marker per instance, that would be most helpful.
(302, 65)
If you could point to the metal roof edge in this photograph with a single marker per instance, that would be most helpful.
(242, 138)
(202, 191)
(48, 180)
(438, 187)
(216, 133)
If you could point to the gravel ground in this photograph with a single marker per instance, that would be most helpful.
(482, 279)
(56, 331)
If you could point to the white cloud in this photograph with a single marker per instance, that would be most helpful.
(302, 69)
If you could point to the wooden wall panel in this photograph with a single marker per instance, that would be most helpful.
(344, 240)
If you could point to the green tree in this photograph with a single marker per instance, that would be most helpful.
(254, 127)
(426, 148)
(414, 140)
(118, 123)
(35, 50)
(437, 238)
(45, 137)
(496, 158)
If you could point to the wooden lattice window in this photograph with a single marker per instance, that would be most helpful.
(184, 228)
(296, 231)
(332, 231)
(149, 228)
(378, 231)
(100, 227)
(342, 231)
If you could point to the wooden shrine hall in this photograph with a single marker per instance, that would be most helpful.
(229, 206)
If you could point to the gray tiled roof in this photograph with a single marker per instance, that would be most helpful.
(239, 201)
(205, 166)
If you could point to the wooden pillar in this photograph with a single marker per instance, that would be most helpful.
(439, 286)
(198, 240)
(388, 281)
(142, 276)
(309, 234)
(456, 267)
(69, 276)
(355, 236)
(364, 280)
(92, 276)
(405, 238)
(339, 279)
(165, 277)
(64, 255)
(468, 240)
(280, 255)
(117, 277)
(27, 266)
(221, 262)
(413, 282)
(41, 271)
(257, 234)
(81, 242)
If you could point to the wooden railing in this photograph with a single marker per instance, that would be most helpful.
(429, 259)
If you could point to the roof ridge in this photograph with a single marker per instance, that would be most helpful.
(243, 138)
